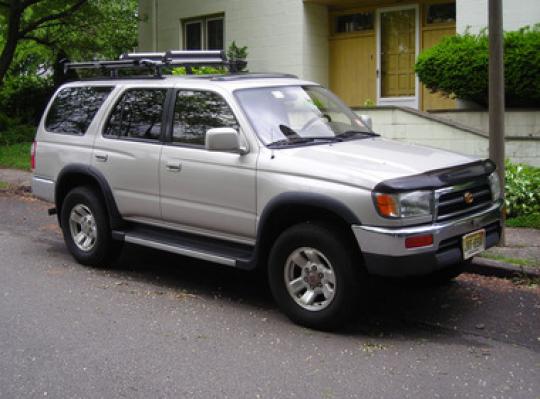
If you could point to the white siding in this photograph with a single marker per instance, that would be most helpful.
(281, 35)
(516, 14)
(316, 50)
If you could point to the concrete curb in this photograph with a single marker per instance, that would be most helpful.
(495, 268)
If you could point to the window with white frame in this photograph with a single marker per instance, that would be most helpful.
(205, 33)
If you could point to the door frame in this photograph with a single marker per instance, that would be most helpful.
(412, 102)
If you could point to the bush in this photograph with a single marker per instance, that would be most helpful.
(522, 190)
(25, 97)
(12, 131)
(199, 71)
(458, 66)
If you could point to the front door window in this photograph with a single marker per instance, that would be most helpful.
(398, 52)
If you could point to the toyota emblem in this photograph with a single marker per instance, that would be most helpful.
(468, 197)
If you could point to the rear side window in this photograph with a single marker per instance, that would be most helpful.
(74, 108)
(138, 115)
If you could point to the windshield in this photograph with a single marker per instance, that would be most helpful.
(289, 115)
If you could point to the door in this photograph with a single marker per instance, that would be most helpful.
(352, 69)
(397, 48)
(205, 192)
(128, 151)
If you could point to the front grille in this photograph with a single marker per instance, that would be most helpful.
(451, 201)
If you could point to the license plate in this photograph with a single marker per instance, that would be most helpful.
(473, 243)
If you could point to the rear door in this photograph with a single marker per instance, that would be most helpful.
(206, 192)
(128, 149)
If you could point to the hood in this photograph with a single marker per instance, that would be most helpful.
(364, 162)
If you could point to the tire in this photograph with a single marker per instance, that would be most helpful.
(84, 215)
(325, 254)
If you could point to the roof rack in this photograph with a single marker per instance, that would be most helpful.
(253, 75)
(156, 61)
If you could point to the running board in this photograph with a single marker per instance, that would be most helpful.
(199, 247)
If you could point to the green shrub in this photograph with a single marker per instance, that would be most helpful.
(25, 97)
(239, 54)
(458, 66)
(522, 190)
(12, 131)
(199, 71)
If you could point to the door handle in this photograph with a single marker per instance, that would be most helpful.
(173, 166)
(101, 157)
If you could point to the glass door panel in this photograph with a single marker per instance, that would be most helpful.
(398, 53)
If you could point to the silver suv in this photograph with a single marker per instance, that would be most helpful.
(258, 171)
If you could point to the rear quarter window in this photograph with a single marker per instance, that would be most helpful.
(74, 108)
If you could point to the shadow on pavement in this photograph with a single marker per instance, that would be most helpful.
(412, 309)
(462, 310)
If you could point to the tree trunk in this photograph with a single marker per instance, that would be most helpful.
(12, 37)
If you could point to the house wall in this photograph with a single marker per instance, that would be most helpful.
(281, 35)
(516, 14)
(415, 127)
(523, 123)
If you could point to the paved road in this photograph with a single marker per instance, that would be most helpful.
(159, 326)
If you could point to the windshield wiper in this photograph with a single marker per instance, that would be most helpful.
(303, 140)
(356, 134)
(292, 138)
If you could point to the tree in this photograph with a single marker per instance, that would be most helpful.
(98, 29)
(37, 32)
(23, 18)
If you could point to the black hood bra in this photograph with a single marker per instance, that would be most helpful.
(439, 178)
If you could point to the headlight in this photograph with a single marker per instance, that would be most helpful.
(495, 185)
(403, 205)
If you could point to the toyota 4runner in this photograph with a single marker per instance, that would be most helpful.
(256, 171)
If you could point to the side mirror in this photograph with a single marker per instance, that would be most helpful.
(366, 120)
(224, 139)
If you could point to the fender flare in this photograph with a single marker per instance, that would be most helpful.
(115, 218)
(317, 200)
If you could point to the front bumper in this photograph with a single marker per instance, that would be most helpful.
(385, 253)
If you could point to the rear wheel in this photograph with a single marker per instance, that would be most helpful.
(313, 276)
(85, 226)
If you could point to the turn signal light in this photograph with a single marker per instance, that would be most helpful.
(418, 241)
(387, 205)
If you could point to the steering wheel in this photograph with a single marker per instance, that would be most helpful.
(313, 120)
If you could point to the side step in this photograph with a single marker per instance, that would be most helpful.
(194, 246)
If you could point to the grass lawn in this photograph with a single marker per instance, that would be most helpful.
(530, 221)
(3, 185)
(15, 156)
(514, 261)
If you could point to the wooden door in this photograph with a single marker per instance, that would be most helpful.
(398, 53)
(352, 68)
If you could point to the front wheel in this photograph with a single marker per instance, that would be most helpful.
(85, 226)
(314, 277)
